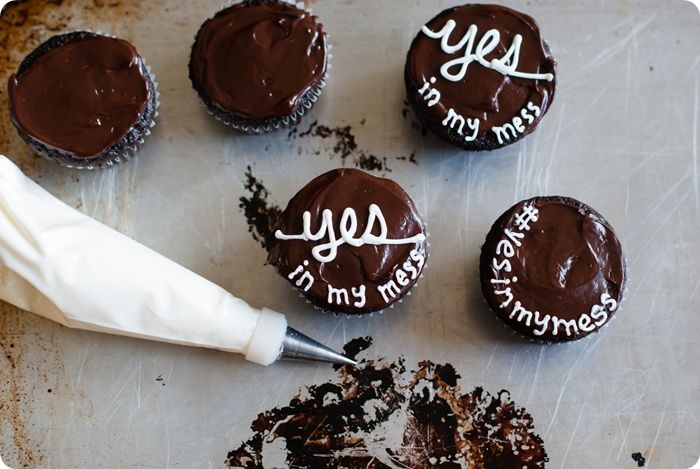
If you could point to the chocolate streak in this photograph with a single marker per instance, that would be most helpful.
(379, 416)
(484, 94)
(258, 59)
(80, 93)
(261, 215)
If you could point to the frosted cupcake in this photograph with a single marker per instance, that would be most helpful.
(83, 100)
(480, 76)
(259, 65)
(553, 269)
(350, 242)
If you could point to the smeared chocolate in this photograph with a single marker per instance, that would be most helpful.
(261, 215)
(344, 145)
(553, 269)
(353, 348)
(377, 415)
(371, 277)
(81, 94)
(258, 59)
(438, 91)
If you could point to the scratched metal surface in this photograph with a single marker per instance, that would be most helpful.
(622, 135)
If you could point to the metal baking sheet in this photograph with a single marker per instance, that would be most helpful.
(622, 136)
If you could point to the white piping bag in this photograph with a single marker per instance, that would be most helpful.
(65, 266)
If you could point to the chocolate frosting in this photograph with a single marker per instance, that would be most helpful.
(568, 262)
(80, 96)
(258, 59)
(483, 93)
(369, 265)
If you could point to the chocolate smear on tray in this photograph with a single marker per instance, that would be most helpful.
(378, 415)
(261, 214)
(344, 145)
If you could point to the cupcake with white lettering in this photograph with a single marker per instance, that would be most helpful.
(350, 242)
(553, 269)
(480, 76)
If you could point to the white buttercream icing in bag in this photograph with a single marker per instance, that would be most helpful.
(67, 267)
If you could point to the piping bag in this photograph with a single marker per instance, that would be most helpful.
(65, 266)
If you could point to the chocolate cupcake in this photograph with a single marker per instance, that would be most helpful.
(83, 100)
(553, 269)
(480, 76)
(350, 242)
(259, 65)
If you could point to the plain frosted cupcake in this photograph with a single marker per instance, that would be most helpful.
(83, 100)
(259, 65)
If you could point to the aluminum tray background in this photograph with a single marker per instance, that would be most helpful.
(622, 136)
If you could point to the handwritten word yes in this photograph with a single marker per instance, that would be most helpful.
(506, 65)
(348, 230)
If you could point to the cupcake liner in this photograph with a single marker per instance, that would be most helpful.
(121, 151)
(262, 126)
(268, 125)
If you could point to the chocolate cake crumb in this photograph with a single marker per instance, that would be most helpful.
(261, 215)
(357, 345)
(308, 131)
(411, 158)
(639, 459)
(345, 146)
(371, 163)
(376, 415)
(345, 143)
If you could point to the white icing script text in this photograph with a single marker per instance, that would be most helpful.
(348, 230)
(517, 126)
(506, 65)
(505, 248)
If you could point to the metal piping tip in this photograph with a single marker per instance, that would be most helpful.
(297, 346)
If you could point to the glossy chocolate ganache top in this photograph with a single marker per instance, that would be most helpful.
(480, 74)
(258, 59)
(553, 269)
(79, 93)
(351, 242)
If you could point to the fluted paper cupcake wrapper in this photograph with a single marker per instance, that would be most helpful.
(275, 123)
(310, 98)
(69, 160)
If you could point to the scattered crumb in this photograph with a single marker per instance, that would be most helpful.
(639, 459)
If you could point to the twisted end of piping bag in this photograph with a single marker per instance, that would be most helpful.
(273, 339)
